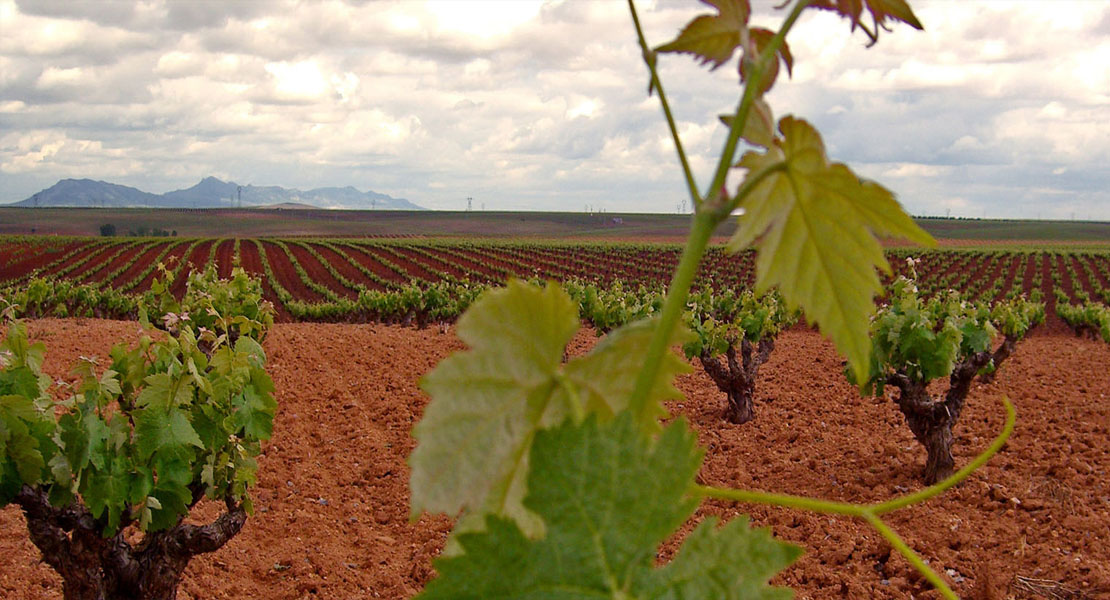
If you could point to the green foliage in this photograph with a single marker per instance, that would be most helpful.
(813, 221)
(924, 339)
(210, 305)
(723, 320)
(175, 419)
(488, 403)
(1092, 318)
(610, 497)
(54, 297)
(563, 501)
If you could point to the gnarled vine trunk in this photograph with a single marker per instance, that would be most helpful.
(931, 420)
(97, 568)
(736, 378)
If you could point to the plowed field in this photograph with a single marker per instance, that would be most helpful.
(332, 500)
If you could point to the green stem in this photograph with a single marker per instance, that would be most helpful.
(705, 222)
(785, 500)
(751, 92)
(958, 476)
(910, 555)
(871, 512)
(657, 85)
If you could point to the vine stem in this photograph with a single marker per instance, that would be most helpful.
(709, 212)
(871, 512)
(751, 92)
(705, 222)
(657, 85)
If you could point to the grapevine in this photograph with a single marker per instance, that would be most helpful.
(134, 447)
(544, 459)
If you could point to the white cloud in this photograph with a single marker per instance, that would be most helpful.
(993, 109)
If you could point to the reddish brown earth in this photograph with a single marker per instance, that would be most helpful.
(349, 271)
(17, 260)
(170, 260)
(287, 275)
(196, 260)
(332, 497)
(71, 269)
(107, 267)
(319, 273)
(365, 257)
(225, 258)
(251, 259)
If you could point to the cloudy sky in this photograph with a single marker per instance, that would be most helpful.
(998, 109)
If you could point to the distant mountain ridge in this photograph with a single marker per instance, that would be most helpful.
(209, 193)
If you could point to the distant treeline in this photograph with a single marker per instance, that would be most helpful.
(109, 230)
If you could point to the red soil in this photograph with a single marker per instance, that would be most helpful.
(225, 258)
(149, 252)
(439, 265)
(287, 276)
(251, 260)
(170, 261)
(108, 267)
(332, 499)
(93, 256)
(345, 268)
(461, 257)
(318, 272)
(196, 260)
(18, 259)
(413, 268)
(365, 257)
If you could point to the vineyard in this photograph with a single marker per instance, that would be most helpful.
(422, 281)
(762, 401)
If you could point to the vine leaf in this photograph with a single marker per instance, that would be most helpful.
(605, 381)
(713, 38)
(815, 224)
(758, 40)
(881, 10)
(167, 433)
(489, 402)
(759, 128)
(609, 497)
(731, 563)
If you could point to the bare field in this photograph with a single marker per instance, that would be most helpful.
(332, 500)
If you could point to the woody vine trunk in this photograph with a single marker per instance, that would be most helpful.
(932, 419)
(736, 378)
(93, 567)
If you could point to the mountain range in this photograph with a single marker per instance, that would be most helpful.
(209, 193)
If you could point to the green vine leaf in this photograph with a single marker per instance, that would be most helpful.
(604, 382)
(609, 496)
(731, 563)
(713, 38)
(759, 128)
(489, 402)
(167, 433)
(815, 224)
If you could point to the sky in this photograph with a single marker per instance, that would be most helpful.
(998, 109)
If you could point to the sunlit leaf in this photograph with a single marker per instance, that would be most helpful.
(759, 129)
(489, 402)
(609, 497)
(815, 224)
